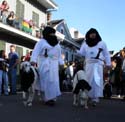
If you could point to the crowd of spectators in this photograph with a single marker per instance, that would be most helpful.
(8, 70)
(9, 18)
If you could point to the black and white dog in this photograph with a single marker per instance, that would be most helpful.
(29, 79)
(80, 89)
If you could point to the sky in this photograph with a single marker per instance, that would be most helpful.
(107, 16)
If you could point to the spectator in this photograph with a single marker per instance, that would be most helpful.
(69, 75)
(62, 78)
(31, 24)
(38, 34)
(71, 68)
(118, 58)
(28, 56)
(4, 11)
(3, 72)
(17, 23)
(123, 75)
(42, 28)
(22, 59)
(11, 19)
(13, 62)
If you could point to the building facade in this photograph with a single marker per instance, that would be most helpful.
(68, 44)
(75, 33)
(39, 11)
(35, 10)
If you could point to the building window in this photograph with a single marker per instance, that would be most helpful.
(75, 34)
(19, 50)
(35, 18)
(66, 56)
(2, 45)
(72, 57)
(20, 9)
(62, 30)
(49, 15)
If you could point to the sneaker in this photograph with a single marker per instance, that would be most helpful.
(29, 104)
(6, 94)
(75, 103)
(119, 96)
(13, 93)
(123, 99)
(50, 103)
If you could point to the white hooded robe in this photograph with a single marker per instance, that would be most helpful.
(48, 68)
(94, 67)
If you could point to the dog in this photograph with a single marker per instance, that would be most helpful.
(29, 79)
(80, 92)
(83, 96)
(81, 87)
(107, 91)
(108, 81)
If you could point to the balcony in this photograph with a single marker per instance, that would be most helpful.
(13, 35)
(49, 4)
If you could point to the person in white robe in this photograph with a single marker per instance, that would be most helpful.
(96, 55)
(47, 55)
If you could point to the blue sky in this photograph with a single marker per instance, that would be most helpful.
(107, 16)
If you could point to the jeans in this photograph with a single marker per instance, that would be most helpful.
(13, 78)
(17, 24)
(4, 17)
(4, 80)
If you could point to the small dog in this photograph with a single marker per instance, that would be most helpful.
(80, 87)
(108, 80)
(84, 98)
(81, 96)
(107, 91)
(29, 79)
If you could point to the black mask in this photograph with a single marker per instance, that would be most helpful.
(52, 40)
(92, 42)
(49, 35)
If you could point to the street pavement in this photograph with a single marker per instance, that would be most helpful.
(13, 110)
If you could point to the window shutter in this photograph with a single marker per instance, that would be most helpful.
(19, 10)
(35, 18)
(2, 45)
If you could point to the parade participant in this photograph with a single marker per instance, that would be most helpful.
(47, 55)
(96, 53)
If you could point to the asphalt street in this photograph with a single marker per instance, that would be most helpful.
(12, 109)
